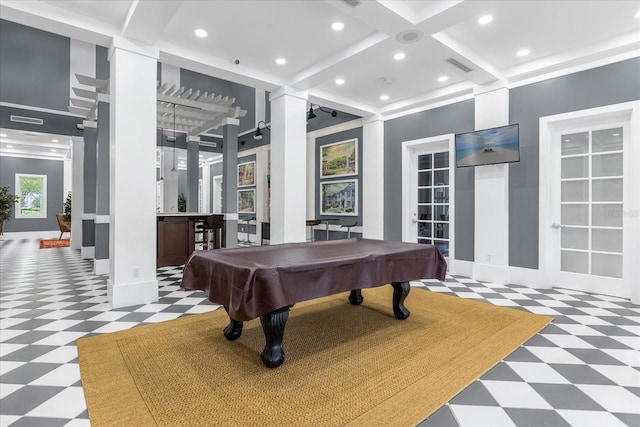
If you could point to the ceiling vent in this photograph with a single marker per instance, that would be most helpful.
(29, 120)
(459, 65)
(352, 3)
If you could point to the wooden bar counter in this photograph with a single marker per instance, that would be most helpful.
(176, 236)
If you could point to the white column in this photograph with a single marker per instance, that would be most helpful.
(77, 195)
(132, 143)
(373, 178)
(288, 166)
(206, 189)
(262, 167)
(491, 196)
(169, 174)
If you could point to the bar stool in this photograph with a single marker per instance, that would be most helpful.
(212, 228)
(348, 227)
(248, 222)
(312, 223)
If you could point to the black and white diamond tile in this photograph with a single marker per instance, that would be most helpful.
(581, 370)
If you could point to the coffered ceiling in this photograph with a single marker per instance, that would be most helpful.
(448, 53)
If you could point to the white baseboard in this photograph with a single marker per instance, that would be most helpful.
(17, 235)
(460, 267)
(101, 266)
(126, 294)
(528, 277)
(490, 273)
(88, 252)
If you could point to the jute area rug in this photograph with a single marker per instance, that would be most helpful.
(54, 243)
(344, 364)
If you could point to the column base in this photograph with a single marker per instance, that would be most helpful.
(88, 252)
(126, 294)
(101, 266)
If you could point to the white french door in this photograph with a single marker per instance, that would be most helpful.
(593, 191)
(428, 179)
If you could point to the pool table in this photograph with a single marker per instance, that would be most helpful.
(267, 281)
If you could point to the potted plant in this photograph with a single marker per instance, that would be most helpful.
(7, 203)
(67, 207)
(64, 220)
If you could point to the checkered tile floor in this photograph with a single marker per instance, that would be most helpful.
(582, 370)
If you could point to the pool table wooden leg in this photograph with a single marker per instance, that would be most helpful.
(400, 292)
(273, 326)
(233, 330)
(355, 298)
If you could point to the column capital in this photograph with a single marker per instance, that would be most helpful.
(193, 138)
(230, 121)
(288, 91)
(372, 119)
(90, 124)
(122, 43)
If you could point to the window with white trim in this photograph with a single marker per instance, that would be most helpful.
(32, 196)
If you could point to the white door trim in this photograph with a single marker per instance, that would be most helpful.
(410, 182)
(628, 111)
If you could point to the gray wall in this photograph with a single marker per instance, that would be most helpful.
(610, 84)
(53, 169)
(454, 118)
(34, 67)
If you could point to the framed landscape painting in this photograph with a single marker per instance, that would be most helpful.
(247, 201)
(339, 197)
(246, 174)
(339, 159)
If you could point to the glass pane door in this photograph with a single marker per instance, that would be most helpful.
(591, 202)
(433, 200)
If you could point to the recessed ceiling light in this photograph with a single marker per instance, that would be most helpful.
(54, 140)
(337, 26)
(443, 78)
(384, 97)
(9, 146)
(53, 150)
(281, 61)
(200, 32)
(484, 20)
(399, 56)
(616, 134)
(3, 135)
(339, 81)
(523, 52)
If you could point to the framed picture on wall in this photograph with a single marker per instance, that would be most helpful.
(339, 197)
(246, 174)
(247, 201)
(339, 159)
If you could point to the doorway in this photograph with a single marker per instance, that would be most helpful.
(428, 191)
(589, 200)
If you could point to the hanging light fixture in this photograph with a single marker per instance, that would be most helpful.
(312, 115)
(258, 134)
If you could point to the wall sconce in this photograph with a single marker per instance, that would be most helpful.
(312, 115)
(258, 134)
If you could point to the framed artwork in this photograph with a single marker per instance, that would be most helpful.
(246, 174)
(339, 159)
(247, 201)
(339, 197)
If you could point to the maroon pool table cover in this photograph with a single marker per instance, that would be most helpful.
(251, 282)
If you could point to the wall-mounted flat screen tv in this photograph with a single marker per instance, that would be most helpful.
(488, 146)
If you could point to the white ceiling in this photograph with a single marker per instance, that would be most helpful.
(561, 35)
